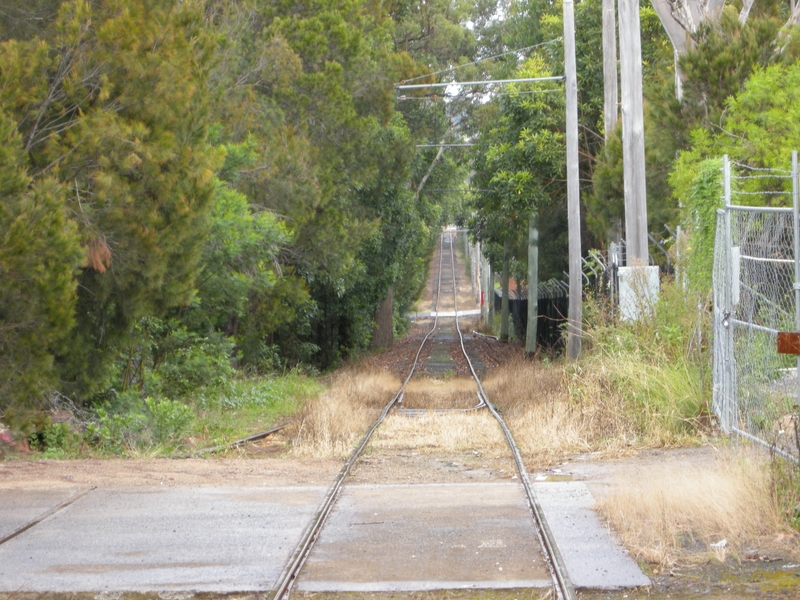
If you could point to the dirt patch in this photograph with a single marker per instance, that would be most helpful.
(413, 467)
(119, 473)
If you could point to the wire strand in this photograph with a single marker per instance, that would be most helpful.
(438, 97)
(475, 62)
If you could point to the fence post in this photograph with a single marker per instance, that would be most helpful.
(796, 285)
(490, 295)
(729, 387)
(614, 260)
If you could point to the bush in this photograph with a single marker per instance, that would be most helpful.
(655, 366)
(115, 432)
(169, 420)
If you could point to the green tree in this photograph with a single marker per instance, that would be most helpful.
(112, 103)
(761, 127)
(39, 254)
(521, 164)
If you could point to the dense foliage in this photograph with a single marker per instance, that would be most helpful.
(194, 189)
(197, 187)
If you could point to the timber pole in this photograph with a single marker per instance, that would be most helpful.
(633, 160)
(533, 283)
(610, 85)
(575, 312)
(504, 284)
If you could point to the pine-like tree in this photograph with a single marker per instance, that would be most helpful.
(39, 253)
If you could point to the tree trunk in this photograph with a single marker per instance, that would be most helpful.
(383, 333)
(533, 284)
(504, 284)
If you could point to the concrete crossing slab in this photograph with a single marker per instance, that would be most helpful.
(592, 558)
(379, 538)
(19, 507)
(177, 539)
(427, 536)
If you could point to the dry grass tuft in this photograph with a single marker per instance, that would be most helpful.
(331, 425)
(545, 421)
(451, 432)
(672, 514)
(426, 392)
(553, 412)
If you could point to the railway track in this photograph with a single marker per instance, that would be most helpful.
(439, 337)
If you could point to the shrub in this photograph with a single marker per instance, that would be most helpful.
(115, 432)
(169, 419)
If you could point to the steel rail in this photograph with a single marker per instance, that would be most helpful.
(563, 586)
(287, 578)
(235, 444)
(48, 513)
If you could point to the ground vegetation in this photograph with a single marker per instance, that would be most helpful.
(203, 193)
(198, 196)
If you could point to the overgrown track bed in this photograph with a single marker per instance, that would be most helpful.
(442, 353)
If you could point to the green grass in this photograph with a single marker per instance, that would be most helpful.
(248, 406)
(154, 426)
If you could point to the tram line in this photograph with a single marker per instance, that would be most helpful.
(562, 586)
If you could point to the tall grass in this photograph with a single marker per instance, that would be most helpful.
(332, 424)
(670, 512)
(431, 393)
(637, 385)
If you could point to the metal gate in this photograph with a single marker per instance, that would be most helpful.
(756, 282)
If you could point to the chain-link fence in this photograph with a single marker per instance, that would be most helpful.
(755, 297)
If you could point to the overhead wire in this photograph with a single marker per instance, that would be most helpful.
(437, 97)
(475, 62)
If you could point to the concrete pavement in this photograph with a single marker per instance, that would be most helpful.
(238, 539)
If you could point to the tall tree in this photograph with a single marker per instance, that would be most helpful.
(520, 168)
(39, 254)
(112, 103)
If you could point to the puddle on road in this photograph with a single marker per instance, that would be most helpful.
(550, 477)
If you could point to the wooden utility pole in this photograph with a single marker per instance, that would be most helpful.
(533, 283)
(575, 313)
(504, 285)
(610, 86)
(490, 300)
(633, 163)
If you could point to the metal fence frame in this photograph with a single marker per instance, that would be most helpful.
(756, 283)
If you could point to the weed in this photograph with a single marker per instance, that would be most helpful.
(785, 486)
(59, 441)
(115, 432)
(667, 513)
(333, 423)
(169, 420)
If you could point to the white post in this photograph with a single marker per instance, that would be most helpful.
(575, 312)
(533, 283)
(630, 48)
(610, 86)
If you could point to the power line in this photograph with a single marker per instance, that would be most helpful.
(475, 62)
(462, 191)
(419, 86)
(444, 145)
(494, 94)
